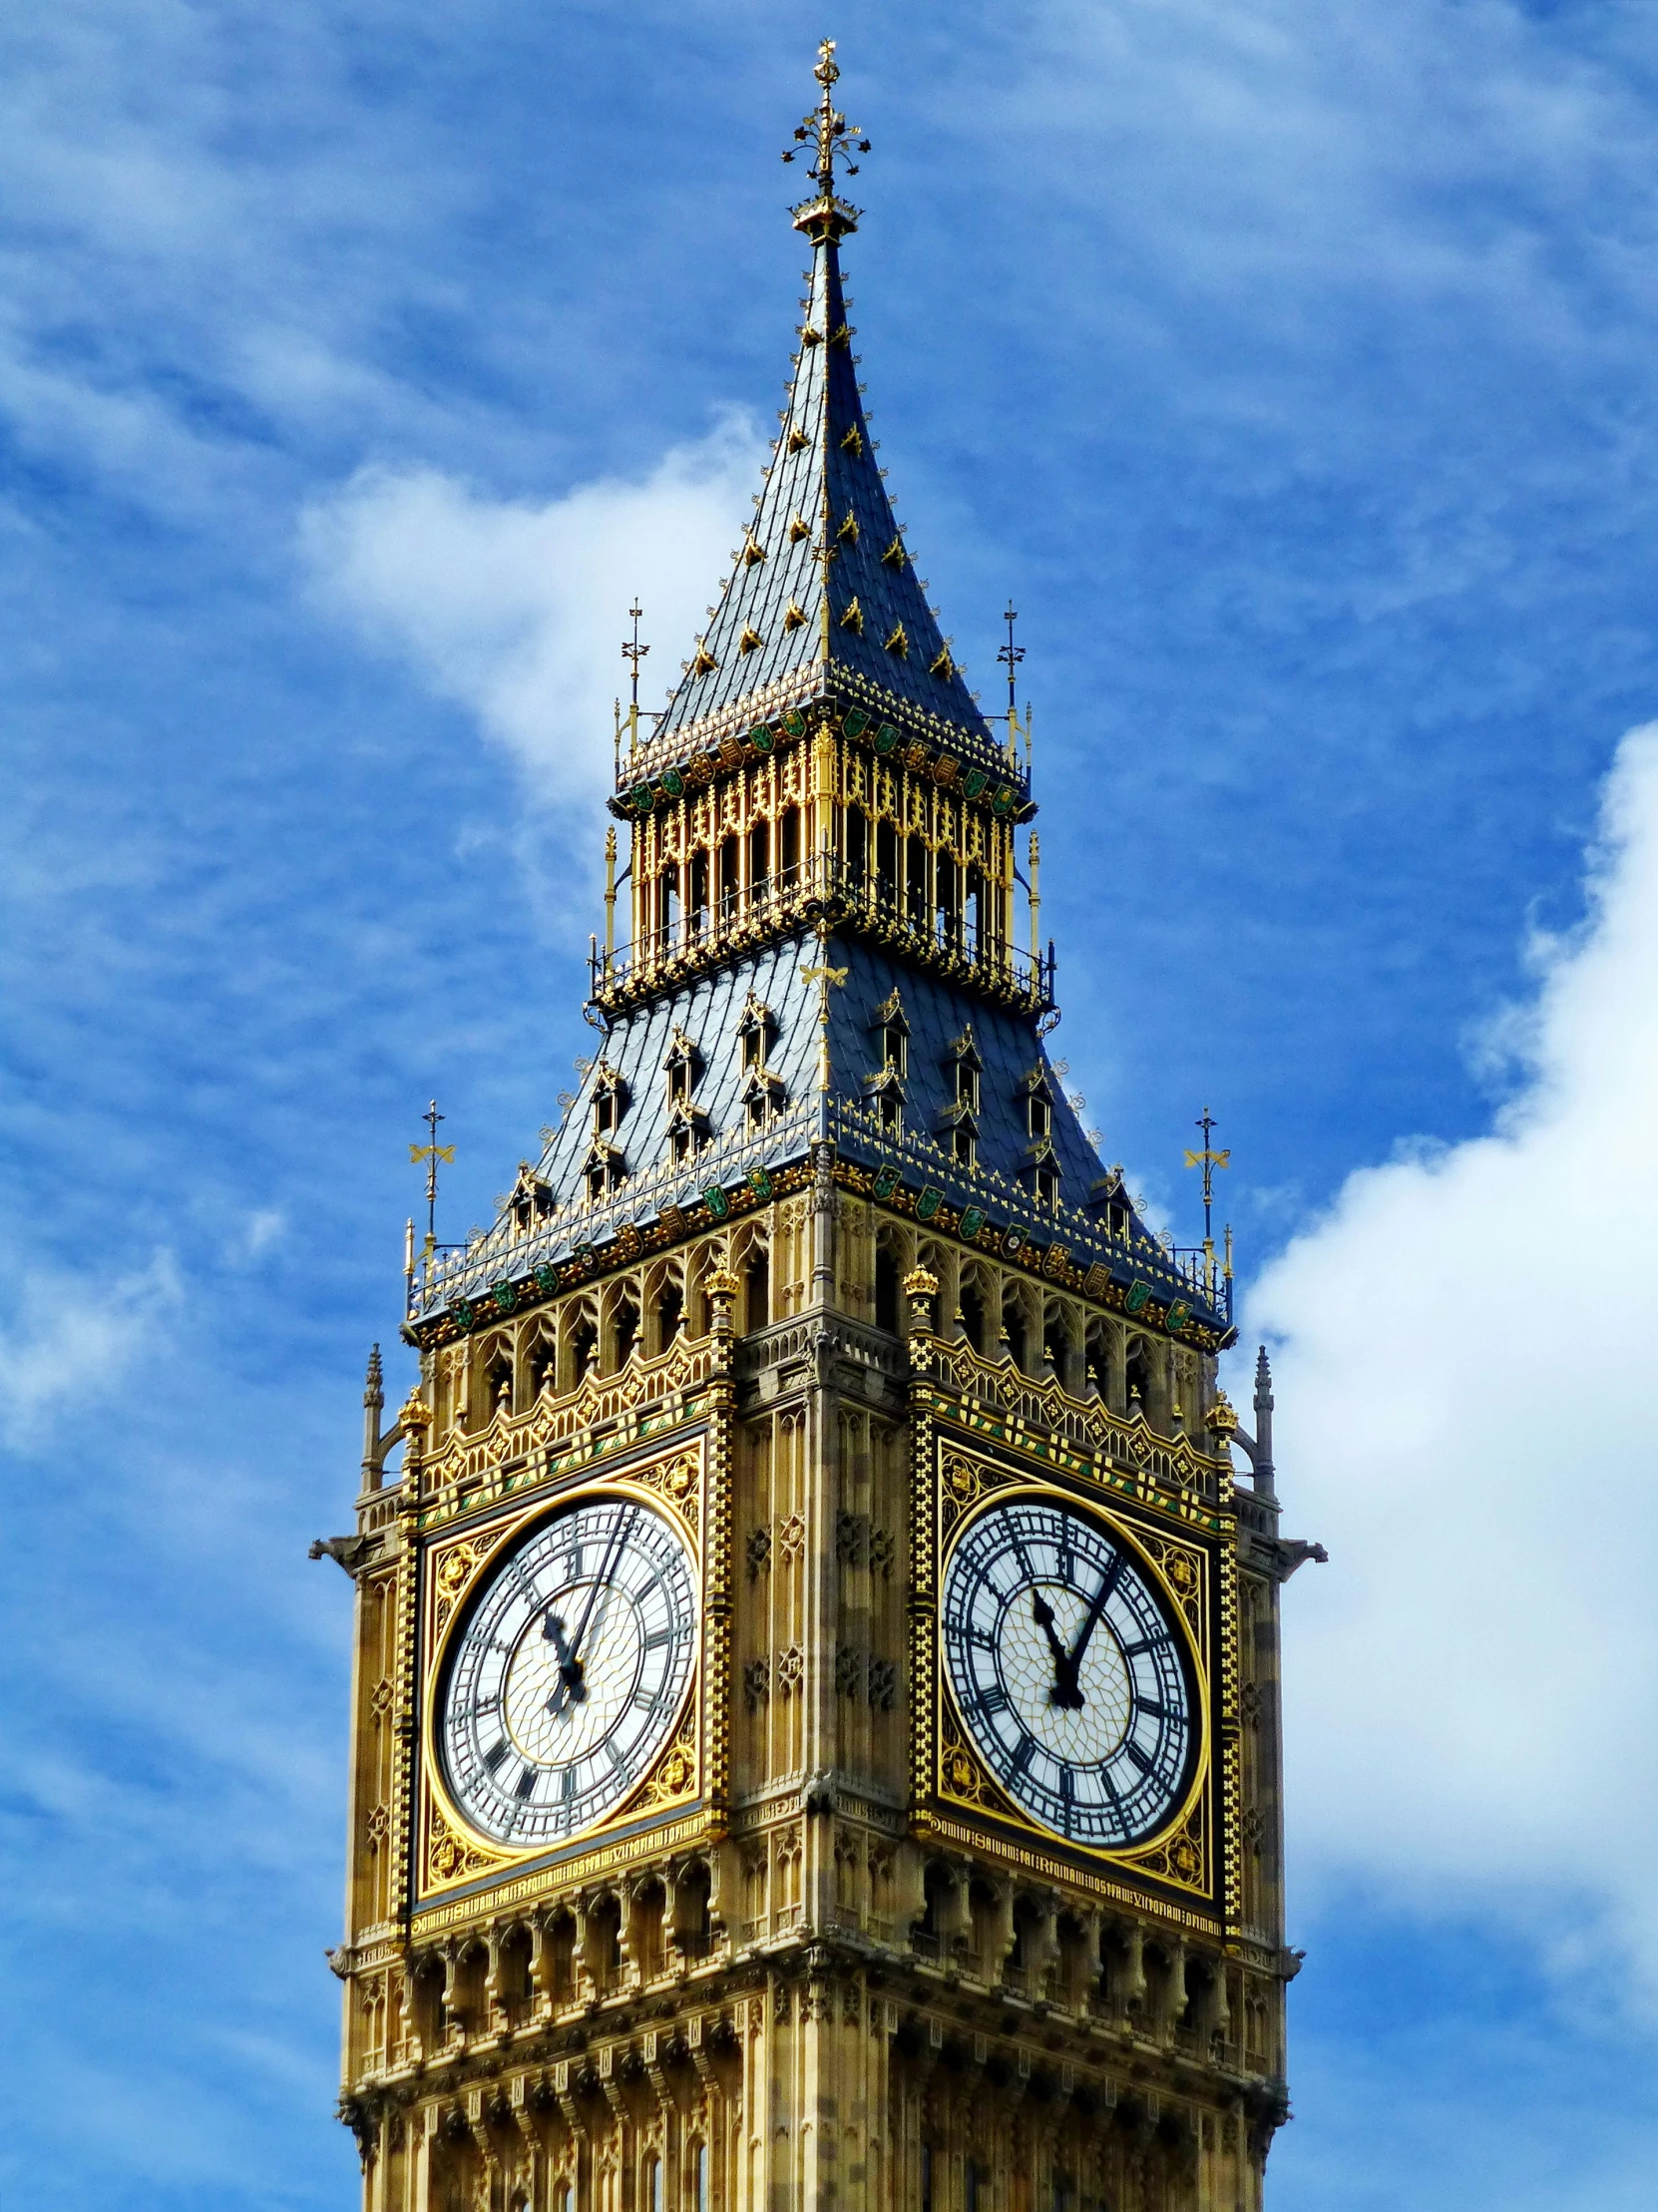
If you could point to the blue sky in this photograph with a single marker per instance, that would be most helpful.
(1292, 366)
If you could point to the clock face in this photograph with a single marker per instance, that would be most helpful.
(1068, 1673)
(569, 1672)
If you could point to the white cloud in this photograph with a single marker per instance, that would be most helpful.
(1465, 1418)
(517, 611)
(72, 1341)
(264, 1227)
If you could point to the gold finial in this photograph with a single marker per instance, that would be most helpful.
(1208, 1160)
(431, 1153)
(633, 652)
(1222, 1422)
(823, 976)
(828, 134)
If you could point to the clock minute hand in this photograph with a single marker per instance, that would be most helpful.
(1074, 1661)
(619, 1535)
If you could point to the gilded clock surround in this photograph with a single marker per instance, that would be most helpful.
(1178, 1853)
(453, 1851)
(818, 1259)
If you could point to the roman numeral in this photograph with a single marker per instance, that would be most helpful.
(525, 1784)
(1157, 1642)
(494, 1756)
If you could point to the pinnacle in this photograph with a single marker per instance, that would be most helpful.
(818, 584)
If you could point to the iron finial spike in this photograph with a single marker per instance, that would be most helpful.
(431, 1152)
(1011, 656)
(1208, 1160)
(634, 652)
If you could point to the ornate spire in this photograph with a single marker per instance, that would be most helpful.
(823, 579)
(826, 131)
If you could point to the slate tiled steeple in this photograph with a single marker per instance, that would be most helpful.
(824, 940)
(823, 578)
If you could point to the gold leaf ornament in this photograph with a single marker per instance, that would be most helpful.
(963, 1477)
(678, 1771)
(456, 1566)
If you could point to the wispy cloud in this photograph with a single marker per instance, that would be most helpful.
(70, 1341)
(1464, 1389)
(516, 611)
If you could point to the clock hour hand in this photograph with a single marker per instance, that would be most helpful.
(572, 1688)
(1064, 1690)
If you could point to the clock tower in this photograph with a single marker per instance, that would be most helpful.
(815, 1727)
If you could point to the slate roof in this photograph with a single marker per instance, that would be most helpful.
(823, 476)
(823, 487)
(710, 1012)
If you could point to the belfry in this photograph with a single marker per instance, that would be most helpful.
(815, 1733)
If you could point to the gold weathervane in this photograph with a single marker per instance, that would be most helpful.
(823, 976)
(431, 1153)
(1208, 1160)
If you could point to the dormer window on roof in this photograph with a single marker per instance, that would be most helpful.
(885, 1088)
(683, 1065)
(1038, 1104)
(966, 1067)
(610, 1101)
(605, 1169)
(892, 1035)
(764, 1095)
(687, 1130)
(755, 1031)
(1108, 1201)
(531, 1201)
(1041, 1169)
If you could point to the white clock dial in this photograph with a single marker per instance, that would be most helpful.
(569, 1672)
(1068, 1673)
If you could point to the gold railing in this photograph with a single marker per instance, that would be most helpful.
(825, 888)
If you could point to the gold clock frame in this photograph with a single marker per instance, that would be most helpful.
(451, 1854)
(959, 1801)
